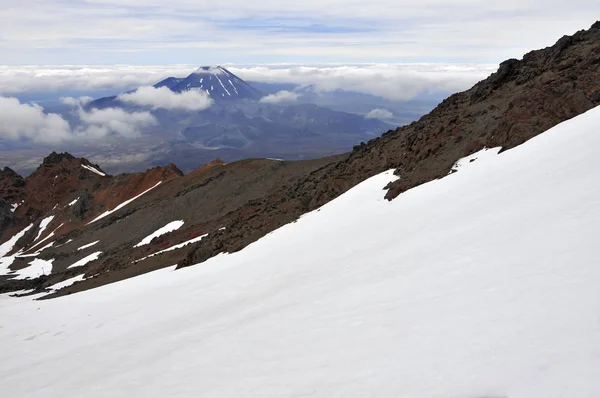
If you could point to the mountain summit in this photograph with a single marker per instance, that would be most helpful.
(219, 84)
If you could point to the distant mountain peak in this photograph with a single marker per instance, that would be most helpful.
(218, 83)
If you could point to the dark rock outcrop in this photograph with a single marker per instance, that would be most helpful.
(55, 158)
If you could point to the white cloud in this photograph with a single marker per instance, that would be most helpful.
(393, 81)
(82, 78)
(163, 97)
(29, 122)
(102, 122)
(379, 113)
(75, 101)
(280, 97)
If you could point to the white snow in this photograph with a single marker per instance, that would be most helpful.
(37, 252)
(221, 83)
(88, 245)
(50, 235)
(6, 262)
(87, 259)
(481, 156)
(73, 202)
(480, 284)
(43, 225)
(232, 85)
(7, 246)
(175, 247)
(14, 207)
(37, 268)
(93, 170)
(106, 213)
(170, 227)
(67, 282)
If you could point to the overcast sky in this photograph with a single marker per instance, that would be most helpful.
(196, 32)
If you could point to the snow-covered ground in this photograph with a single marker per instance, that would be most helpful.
(481, 284)
(67, 282)
(87, 259)
(43, 225)
(8, 246)
(170, 227)
(88, 245)
(175, 247)
(37, 267)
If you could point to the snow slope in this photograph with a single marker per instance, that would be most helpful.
(481, 284)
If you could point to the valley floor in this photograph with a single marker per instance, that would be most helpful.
(481, 284)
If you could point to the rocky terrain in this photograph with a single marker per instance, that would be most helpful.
(233, 205)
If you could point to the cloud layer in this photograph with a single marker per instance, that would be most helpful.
(29, 123)
(395, 82)
(392, 81)
(163, 97)
(279, 97)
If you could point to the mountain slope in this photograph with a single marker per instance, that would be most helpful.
(523, 99)
(481, 284)
(117, 212)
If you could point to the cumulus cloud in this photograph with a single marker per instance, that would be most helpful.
(71, 101)
(280, 97)
(163, 97)
(102, 122)
(29, 123)
(379, 113)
